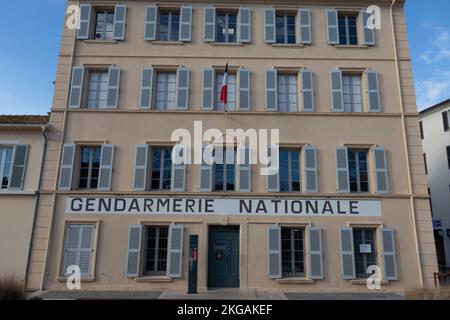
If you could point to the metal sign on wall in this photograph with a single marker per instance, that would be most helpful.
(222, 206)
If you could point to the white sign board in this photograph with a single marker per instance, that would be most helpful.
(365, 248)
(222, 206)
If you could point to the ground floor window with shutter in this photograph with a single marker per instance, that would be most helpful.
(287, 93)
(225, 169)
(364, 243)
(289, 170)
(6, 158)
(293, 252)
(231, 92)
(358, 170)
(89, 167)
(78, 248)
(165, 90)
(97, 89)
(161, 170)
(156, 244)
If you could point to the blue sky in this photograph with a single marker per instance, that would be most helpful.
(30, 41)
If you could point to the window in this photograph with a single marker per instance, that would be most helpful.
(292, 252)
(285, 29)
(169, 26)
(365, 251)
(156, 250)
(224, 173)
(348, 34)
(104, 25)
(289, 170)
(161, 168)
(287, 93)
(78, 248)
(165, 90)
(445, 118)
(421, 130)
(358, 173)
(352, 93)
(430, 202)
(425, 161)
(226, 27)
(98, 89)
(448, 156)
(89, 167)
(6, 155)
(231, 95)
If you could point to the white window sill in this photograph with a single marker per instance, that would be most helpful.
(85, 279)
(17, 193)
(353, 46)
(154, 279)
(92, 41)
(227, 44)
(287, 45)
(363, 282)
(295, 281)
(178, 43)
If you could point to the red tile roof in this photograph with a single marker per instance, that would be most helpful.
(23, 119)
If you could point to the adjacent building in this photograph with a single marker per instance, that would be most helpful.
(351, 189)
(22, 147)
(435, 134)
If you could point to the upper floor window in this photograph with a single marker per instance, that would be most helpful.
(97, 89)
(89, 167)
(348, 34)
(231, 92)
(225, 169)
(448, 156)
(169, 26)
(161, 171)
(286, 29)
(287, 93)
(358, 171)
(293, 252)
(226, 27)
(422, 136)
(445, 120)
(352, 93)
(104, 25)
(289, 170)
(6, 158)
(165, 90)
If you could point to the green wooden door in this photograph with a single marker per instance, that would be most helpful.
(223, 257)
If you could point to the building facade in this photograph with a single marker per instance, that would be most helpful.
(350, 192)
(434, 125)
(22, 146)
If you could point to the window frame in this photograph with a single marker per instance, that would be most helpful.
(448, 156)
(227, 14)
(225, 171)
(157, 249)
(167, 73)
(288, 75)
(291, 250)
(351, 76)
(101, 72)
(346, 15)
(107, 11)
(218, 89)
(170, 12)
(285, 16)
(357, 151)
(375, 250)
(3, 158)
(162, 168)
(290, 178)
(80, 149)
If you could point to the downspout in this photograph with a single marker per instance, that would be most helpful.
(406, 150)
(36, 205)
(61, 143)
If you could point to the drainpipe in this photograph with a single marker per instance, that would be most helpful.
(38, 198)
(406, 151)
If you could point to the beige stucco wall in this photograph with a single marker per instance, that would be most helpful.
(405, 209)
(17, 208)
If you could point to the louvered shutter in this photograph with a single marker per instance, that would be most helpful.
(175, 265)
(146, 97)
(273, 180)
(368, 33)
(151, 18)
(315, 253)
(310, 164)
(244, 169)
(72, 234)
(347, 253)
(206, 173)
(185, 32)
(245, 25)
(388, 253)
(271, 84)
(18, 167)
(209, 31)
(134, 250)
(332, 26)
(342, 172)
(76, 87)
(84, 22)
(112, 99)
(140, 168)
(67, 160)
(381, 171)
(269, 25)
(120, 20)
(244, 86)
(85, 249)
(307, 80)
(373, 91)
(106, 167)
(182, 92)
(208, 89)
(274, 252)
(179, 170)
(305, 26)
(337, 94)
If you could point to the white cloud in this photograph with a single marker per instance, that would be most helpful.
(433, 90)
(439, 44)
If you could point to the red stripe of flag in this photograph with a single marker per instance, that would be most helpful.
(224, 92)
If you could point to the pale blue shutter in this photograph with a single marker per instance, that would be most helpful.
(175, 254)
(76, 87)
(146, 97)
(373, 91)
(206, 173)
(120, 20)
(269, 25)
(66, 171)
(84, 22)
(140, 168)
(182, 92)
(271, 85)
(305, 26)
(134, 250)
(307, 80)
(151, 18)
(71, 242)
(185, 32)
(85, 249)
(106, 167)
(310, 164)
(368, 33)
(274, 252)
(342, 174)
(18, 167)
(112, 99)
(208, 89)
(273, 180)
(381, 172)
(244, 169)
(337, 94)
(244, 86)
(315, 253)
(179, 170)
(245, 25)
(332, 26)
(209, 31)
(388, 254)
(347, 253)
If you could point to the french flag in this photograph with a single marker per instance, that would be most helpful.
(224, 92)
